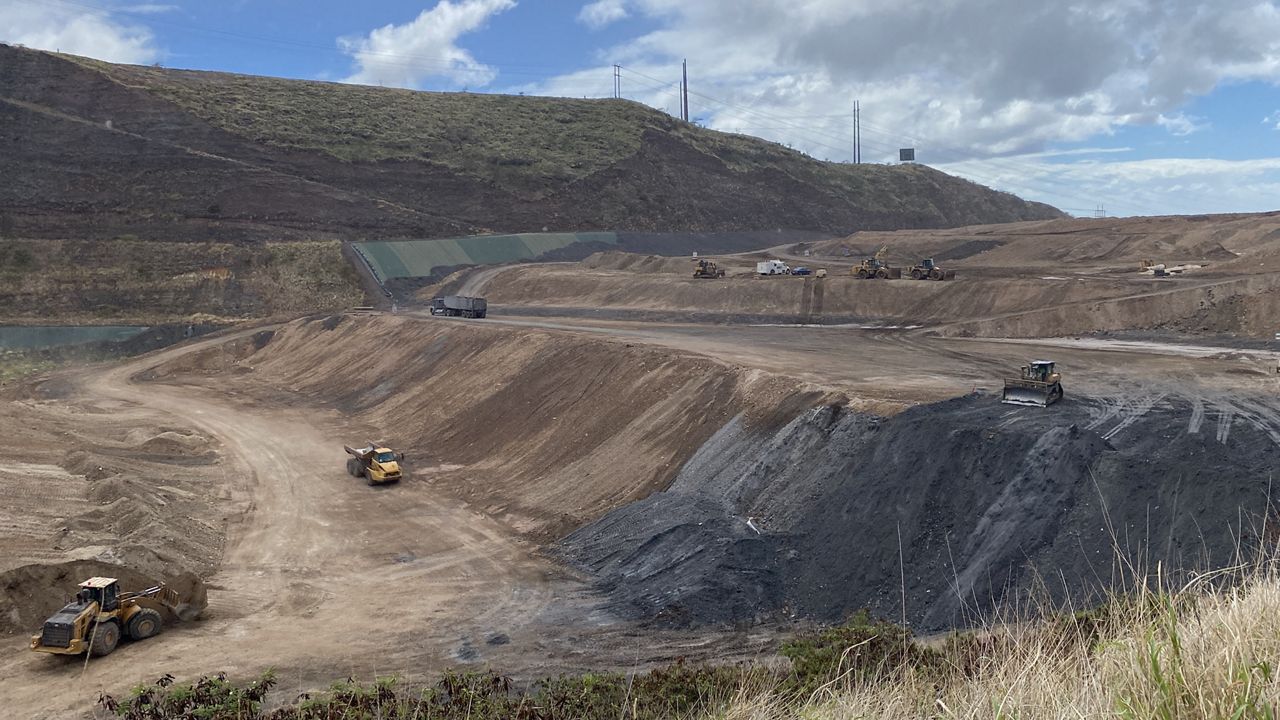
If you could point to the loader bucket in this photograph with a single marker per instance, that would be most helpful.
(1018, 393)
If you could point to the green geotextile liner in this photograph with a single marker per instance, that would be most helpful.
(27, 337)
(419, 258)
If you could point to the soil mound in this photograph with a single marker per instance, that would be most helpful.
(968, 505)
(31, 593)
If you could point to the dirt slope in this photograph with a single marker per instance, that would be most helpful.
(207, 156)
(1063, 277)
(537, 431)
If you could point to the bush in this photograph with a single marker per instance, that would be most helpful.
(862, 649)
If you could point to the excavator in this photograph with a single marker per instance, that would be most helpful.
(707, 269)
(101, 614)
(1039, 385)
(875, 267)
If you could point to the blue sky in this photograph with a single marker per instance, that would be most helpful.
(1138, 106)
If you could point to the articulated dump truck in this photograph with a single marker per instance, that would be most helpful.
(377, 464)
(100, 615)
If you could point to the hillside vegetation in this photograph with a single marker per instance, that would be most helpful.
(100, 150)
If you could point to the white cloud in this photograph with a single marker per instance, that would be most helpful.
(1135, 187)
(1180, 124)
(960, 79)
(75, 29)
(602, 12)
(426, 47)
(1273, 120)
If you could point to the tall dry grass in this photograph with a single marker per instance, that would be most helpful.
(1207, 650)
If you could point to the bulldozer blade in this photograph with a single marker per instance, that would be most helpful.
(1029, 396)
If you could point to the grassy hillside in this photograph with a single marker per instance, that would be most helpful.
(103, 150)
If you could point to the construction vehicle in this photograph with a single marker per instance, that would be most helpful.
(928, 270)
(707, 269)
(459, 306)
(875, 267)
(376, 463)
(1039, 385)
(100, 615)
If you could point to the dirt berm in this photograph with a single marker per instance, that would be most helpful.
(955, 508)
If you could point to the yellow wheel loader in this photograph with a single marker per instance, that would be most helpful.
(875, 267)
(377, 464)
(100, 615)
(1038, 386)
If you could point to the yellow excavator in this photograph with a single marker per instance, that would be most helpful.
(100, 615)
(1039, 385)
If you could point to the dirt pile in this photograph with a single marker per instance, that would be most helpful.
(966, 504)
(542, 431)
(95, 490)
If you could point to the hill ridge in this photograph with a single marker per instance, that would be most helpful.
(358, 162)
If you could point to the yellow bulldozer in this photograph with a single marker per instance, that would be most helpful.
(707, 269)
(375, 463)
(100, 615)
(1039, 385)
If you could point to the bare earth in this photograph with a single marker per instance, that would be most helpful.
(321, 577)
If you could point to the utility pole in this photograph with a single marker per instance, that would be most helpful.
(1100, 212)
(617, 81)
(857, 132)
(684, 90)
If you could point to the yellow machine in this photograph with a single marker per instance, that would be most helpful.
(707, 269)
(100, 615)
(928, 270)
(1039, 385)
(875, 267)
(375, 463)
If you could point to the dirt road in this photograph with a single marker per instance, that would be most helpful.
(369, 579)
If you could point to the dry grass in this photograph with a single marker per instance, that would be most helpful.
(1210, 650)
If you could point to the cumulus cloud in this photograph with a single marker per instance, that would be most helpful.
(426, 47)
(1273, 120)
(76, 29)
(602, 12)
(960, 79)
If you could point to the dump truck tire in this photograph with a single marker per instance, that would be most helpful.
(105, 638)
(369, 476)
(353, 468)
(144, 624)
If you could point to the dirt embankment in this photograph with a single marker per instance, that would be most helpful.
(954, 508)
(646, 286)
(95, 490)
(1073, 242)
(542, 431)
